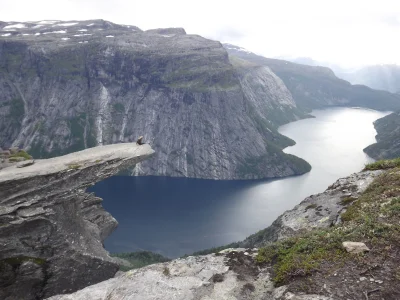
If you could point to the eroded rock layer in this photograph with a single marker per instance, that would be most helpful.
(51, 230)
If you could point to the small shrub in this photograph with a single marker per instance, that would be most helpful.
(166, 271)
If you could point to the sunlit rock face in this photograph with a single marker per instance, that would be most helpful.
(51, 230)
(66, 86)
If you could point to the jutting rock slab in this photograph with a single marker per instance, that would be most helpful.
(51, 230)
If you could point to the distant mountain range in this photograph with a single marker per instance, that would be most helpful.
(318, 86)
(380, 77)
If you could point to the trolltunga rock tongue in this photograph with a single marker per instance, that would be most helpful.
(51, 230)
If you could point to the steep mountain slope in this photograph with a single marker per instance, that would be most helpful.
(317, 87)
(66, 86)
(388, 138)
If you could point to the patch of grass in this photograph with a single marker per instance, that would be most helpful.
(393, 208)
(347, 200)
(300, 256)
(383, 164)
(74, 166)
(21, 153)
(166, 271)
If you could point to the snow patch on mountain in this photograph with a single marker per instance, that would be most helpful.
(66, 24)
(19, 25)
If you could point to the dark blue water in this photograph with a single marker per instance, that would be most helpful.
(177, 216)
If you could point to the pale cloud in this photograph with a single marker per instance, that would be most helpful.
(348, 32)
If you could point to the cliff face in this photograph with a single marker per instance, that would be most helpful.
(388, 138)
(51, 230)
(66, 86)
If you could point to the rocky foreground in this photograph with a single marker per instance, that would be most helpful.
(51, 230)
(231, 274)
(324, 248)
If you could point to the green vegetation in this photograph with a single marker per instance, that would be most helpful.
(302, 255)
(383, 164)
(347, 200)
(373, 218)
(166, 271)
(74, 166)
(140, 259)
(20, 154)
(16, 261)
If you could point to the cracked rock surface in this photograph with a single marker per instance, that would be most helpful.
(231, 274)
(51, 230)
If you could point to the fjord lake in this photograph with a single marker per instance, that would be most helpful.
(177, 216)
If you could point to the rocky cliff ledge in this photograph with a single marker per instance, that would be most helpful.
(51, 230)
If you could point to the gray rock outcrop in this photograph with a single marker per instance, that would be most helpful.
(229, 275)
(51, 230)
(317, 211)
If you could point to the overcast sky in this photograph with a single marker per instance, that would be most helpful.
(346, 32)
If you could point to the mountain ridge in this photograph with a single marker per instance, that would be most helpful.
(72, 85)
